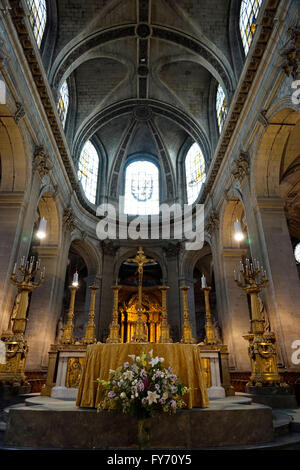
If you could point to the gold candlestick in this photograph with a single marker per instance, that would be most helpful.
(165, 327)
(187, 337)
(114, 327)
(262, 345)
(89, 337)
(69, 327)
(209, 328)
(13, 371)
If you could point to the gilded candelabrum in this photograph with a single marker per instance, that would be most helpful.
(165, 327)
(13, 372)
(68, 337)
(89, 337)
(140, 327)
(210, 337)
(262, 345)
(187, 337)
(114, 327)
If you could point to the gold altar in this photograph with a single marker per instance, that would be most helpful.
(100, 358)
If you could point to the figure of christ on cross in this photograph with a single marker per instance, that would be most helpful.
(140, 327)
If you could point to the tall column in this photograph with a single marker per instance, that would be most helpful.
(284, 284)
(106, 301)
(11, 215)
(237, 312)
(42, 310)
(175, 312)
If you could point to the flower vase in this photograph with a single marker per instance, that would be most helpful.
(143, 433)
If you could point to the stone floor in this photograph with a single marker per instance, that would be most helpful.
(286, 423)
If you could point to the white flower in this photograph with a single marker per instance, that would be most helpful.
(152, 397)
(128, 374)
(151, 353)
(154, 361)
(132, 356)
(123, 395)
(138, 358)
(111, 371)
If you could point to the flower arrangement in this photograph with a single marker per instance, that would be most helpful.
(141, 387)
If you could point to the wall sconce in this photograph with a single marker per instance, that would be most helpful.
(238, 231)
(41, 233)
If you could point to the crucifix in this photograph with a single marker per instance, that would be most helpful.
(140, 327)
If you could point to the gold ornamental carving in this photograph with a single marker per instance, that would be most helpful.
(210, 337)
(262, 344)
(89, 337)
(165, 327)
(140, 327)
(187, 337)
(114, 327)
(69, 327)
(13, 371)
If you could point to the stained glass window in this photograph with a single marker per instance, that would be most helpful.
(141, 188)
(37, 18)
(248, 21)
(63, 103)
(221, 107)
(194, 172)
(88, 167)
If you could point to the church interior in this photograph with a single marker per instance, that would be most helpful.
(112, 112)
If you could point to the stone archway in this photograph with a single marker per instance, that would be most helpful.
(44, 302)
(234, 309)
(274, 183)
(14, 184)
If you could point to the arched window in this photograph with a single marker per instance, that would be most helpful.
(88, 167)
(37, 18)
(221, 107)
(63, 103)
(141, 188)
(248, 18)
(194, 172)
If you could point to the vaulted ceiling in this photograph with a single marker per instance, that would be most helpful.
(155, 64)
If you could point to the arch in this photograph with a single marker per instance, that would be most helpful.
(231, 211)
(89, 253)
(47, 209)
(149, 253)
(266, 162)
(190, 259)
(150, 107)
(212, 57)
(15, 166)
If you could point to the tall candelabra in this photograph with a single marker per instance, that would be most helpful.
(89, 337)
(165, 327)
(210, 337)
(13, 371)
(262, 345)
(114, 327)
(68, 337)
(187, 337)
